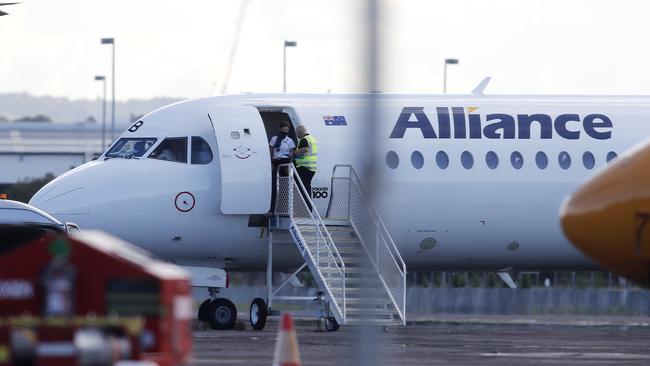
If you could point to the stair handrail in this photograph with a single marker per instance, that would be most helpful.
(320, 224)
(382, 231)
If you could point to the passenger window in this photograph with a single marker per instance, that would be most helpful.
(588, 160)
(541, 160)
(467, 160)
(564, 159)
(392, 159)
(492, 159)
(201, 152)
(417, 160)
(442, 160)
(611, 155)
(171, 149)
(517, 160)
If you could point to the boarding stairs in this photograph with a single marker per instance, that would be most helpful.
(349, 253)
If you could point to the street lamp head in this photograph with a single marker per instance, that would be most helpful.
(290, 43)
(451, 61)
(108, 40)
(100, 78)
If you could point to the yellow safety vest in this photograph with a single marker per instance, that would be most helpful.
(308, 160)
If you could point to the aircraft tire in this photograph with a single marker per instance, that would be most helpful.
(258, 313)
(202, 315)
(331, 325)
(222, 314)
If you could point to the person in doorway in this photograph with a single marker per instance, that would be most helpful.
(306, 156)
(282, 147)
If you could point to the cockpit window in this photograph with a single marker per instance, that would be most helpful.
(130, 147)
(171, 149)
(201, 152)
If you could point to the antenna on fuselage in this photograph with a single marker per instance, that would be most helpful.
(480, 88)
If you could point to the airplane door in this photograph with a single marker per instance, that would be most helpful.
(245, 160)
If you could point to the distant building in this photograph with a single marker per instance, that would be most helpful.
(32, 149)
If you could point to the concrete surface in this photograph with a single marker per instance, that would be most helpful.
(446, 340)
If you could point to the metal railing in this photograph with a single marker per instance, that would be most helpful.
(350, 201)
(292, 200)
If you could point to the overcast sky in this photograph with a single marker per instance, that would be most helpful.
(182, 48)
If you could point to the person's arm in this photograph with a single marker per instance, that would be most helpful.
(303, 147)
(271, 145)
(292, 148)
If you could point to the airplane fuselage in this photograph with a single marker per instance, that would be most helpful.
(462, 182)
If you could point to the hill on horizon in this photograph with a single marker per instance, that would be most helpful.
(14, 106)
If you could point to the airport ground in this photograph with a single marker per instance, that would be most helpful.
(445, 340)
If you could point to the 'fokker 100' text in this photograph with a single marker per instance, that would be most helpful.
(500, 125)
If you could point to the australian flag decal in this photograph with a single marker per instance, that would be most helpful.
(335, 121)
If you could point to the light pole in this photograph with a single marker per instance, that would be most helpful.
(284, 74)
(102, 78)
(448, 61)
(111, 41)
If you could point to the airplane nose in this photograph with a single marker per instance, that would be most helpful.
(608, 218)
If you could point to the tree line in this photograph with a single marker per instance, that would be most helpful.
(24, 190)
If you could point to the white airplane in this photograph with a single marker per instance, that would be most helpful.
(466, 182)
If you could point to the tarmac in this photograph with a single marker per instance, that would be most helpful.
(442, 340)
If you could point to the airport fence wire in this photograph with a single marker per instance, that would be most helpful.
(369, 350)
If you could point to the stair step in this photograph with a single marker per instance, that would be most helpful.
(370, 313)
(359, 292)
(336, 221)
(359, 279)
(355, 271)
(350, 250)
(331, 229)
(367, 304)
(339, 245)
(303, 221)
(359, 300)
(310, 237)
(349, 259)
(357, 321)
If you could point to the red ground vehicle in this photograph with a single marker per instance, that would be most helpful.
(65, 300)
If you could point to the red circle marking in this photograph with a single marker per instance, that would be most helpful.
(176, 202)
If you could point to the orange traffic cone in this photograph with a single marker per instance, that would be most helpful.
(286, 347)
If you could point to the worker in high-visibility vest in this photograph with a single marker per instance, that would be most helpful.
(306, 158)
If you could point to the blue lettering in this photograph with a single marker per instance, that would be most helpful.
(421, 121)
(443, 123)
(506, 123)
(499, 125)
(475, 126)
(459, 122)
(590, 126)
(524, 121)
(561, 129)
